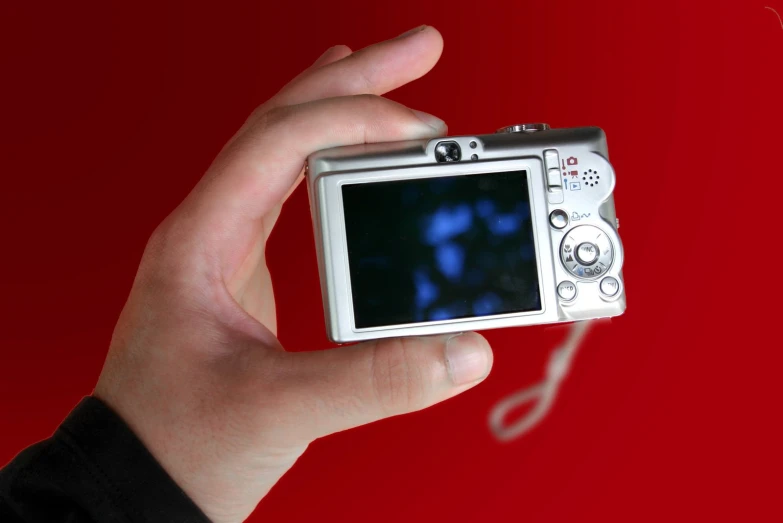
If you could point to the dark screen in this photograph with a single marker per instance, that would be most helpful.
(440, 248)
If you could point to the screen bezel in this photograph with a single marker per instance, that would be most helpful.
(335, 255)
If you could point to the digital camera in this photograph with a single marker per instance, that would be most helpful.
(466, 233)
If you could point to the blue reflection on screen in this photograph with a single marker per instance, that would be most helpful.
(489, 303)
(447, 222)
(503, 224)
(440, 248)
(450, 259)
(426, 291)
(485, 208)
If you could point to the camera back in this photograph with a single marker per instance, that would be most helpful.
(465, 233)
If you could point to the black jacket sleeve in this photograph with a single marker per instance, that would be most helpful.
(93, 469)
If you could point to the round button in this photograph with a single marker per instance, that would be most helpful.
(558, 218)
(609, 286)
(587, 253)
(566, 290)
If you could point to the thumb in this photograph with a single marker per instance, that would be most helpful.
(350, 386)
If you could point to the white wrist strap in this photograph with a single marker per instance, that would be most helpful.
(544, 392)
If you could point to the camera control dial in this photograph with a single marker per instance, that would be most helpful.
(587, 252)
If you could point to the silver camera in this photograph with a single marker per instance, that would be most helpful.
(466, 233)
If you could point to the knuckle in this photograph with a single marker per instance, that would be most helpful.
(163, 235)
(168, 239)
(341, 49)
(363, 77)
(259, 112)
(272, 117)
(160, 245)
(172, 261)
(398, 383)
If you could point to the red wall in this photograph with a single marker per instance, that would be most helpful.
(110, 111)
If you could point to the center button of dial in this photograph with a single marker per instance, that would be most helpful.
(587, 253)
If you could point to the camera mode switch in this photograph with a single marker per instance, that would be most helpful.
(551, 159)
(553, 182)
(553, 177)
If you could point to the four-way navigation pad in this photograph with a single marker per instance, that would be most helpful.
(587, 252)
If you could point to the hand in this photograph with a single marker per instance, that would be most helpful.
(194, 366)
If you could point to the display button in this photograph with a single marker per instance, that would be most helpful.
(558, 218)
(566, 290)
(609, 286)
(587, 253)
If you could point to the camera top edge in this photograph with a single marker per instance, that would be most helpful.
(454, 149)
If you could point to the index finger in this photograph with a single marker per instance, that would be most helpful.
(376, 69)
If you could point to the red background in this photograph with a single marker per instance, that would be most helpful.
(110, 112)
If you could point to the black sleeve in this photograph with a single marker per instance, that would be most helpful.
(93, 469)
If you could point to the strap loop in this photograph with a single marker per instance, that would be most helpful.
(544, 392)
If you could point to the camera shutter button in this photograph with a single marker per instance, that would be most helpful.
(524, 128)
(587, 253)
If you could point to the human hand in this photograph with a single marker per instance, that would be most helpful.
(194, 367)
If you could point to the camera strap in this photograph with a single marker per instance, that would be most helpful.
(543, 393)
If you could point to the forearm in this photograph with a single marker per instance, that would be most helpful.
(93, 469)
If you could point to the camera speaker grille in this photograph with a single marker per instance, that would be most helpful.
(591, 178)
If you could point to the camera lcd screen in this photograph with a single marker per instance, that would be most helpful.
(441, 248)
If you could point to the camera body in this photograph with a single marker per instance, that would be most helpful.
(466, 233)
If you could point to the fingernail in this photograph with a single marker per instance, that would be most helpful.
(413, 31)
(467, 358)
(433, 121)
